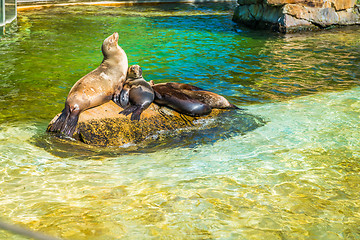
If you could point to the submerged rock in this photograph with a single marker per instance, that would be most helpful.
(295, 15)
(104, 126)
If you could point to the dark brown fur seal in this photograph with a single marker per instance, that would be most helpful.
(95, 88)
(136, 95)
(189, 99)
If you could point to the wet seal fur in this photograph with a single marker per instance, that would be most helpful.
(188, 99)
(136, 95)
(96, 88)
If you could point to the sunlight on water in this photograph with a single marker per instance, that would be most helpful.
(287, 167)
(295, 177)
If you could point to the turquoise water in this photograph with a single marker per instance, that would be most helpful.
(293, 175)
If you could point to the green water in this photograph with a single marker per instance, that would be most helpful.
(292, 173)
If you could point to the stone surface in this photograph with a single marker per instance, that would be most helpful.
(104, 126)
(291, 24)
(319, 16)
(282, 2)
(349, 15)
(296, 15)
(342, 5)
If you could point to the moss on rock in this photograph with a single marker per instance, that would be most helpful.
(104, 126)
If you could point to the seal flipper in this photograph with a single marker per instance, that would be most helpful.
(60, 121)
(128, 110)
(136, 114)
(66, 122)
(70, 125)
(136, 111)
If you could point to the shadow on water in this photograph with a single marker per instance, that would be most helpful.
(205, 131)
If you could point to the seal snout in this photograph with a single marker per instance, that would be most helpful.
(116, 36)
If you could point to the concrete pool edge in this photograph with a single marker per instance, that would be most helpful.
(29, 5)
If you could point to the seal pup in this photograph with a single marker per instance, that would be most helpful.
(95, 88)
(189, 99)
(136, 95)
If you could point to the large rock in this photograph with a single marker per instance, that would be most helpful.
(104, 126)
(295, 15)
(343, 5)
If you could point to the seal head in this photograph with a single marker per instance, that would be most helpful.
(136, 95)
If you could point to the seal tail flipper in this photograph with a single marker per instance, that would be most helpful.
(66, 122)
(60, 121)
(70, 125)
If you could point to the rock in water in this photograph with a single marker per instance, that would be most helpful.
(104, 126)
(296, 15)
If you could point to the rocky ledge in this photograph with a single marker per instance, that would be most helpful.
(288, 16)
(104, 126)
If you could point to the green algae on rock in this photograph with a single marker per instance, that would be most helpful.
(104, 126)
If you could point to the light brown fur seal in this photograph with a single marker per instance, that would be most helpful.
(96, 88)
(189, 99)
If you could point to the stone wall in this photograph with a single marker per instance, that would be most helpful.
(296, 15)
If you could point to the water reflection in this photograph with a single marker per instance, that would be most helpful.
(310, 63)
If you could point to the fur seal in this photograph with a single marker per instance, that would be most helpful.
(95, 88)
(189, 99)
(136, 95)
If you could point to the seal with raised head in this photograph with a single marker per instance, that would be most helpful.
(188, 99)
(96, 88)
(136, 95)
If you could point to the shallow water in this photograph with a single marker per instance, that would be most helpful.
(285, 168)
